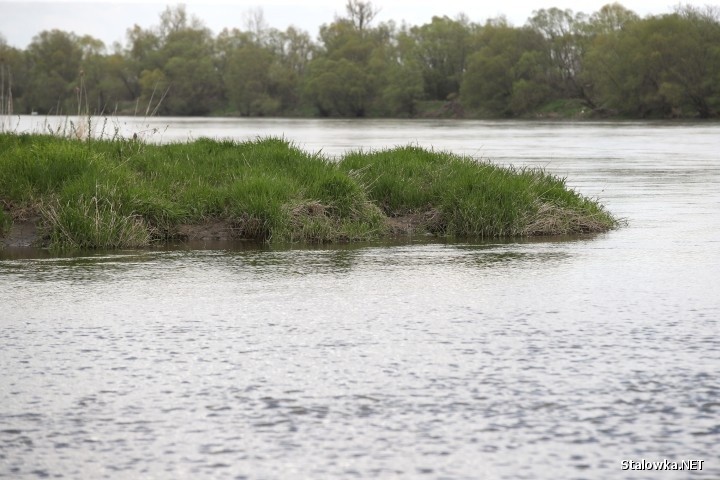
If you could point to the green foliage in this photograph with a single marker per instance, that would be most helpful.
(562, 31)
(33, 168)
(247, 80)
(55, 58)
(348, 74)
(464, 197)
(338, 87)
(93, 222)
(116, 193)
(506, 75)
(612, 61)
(186, 67)
(402, 88)
(661, 66)
(442, 47)
(13, 82)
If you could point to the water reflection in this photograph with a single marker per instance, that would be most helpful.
(262, 261)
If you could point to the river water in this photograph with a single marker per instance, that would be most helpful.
(543, 359)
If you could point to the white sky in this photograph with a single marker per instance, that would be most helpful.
(108, 20)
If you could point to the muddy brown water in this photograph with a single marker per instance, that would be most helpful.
(557, 358)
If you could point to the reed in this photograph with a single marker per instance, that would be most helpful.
(113, 193)
(93, 222)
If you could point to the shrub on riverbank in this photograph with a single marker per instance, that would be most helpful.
(124, 193)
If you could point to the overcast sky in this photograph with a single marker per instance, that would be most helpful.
(109, 20)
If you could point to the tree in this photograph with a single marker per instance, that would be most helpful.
(601, 35)
(341, 39)
(360, 14)
(55, 59)
(612, 61)
(292, 51)
(611, 18)
(442, 50)
(342, 79)
(177, 64)
(506, 75)
(13, 79)
(246, 76)
(338, 87)
(400, 77)
(660, 66)
(563, 32)
(692, 77)
(95, 92)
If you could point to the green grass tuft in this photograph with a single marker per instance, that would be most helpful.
(465, 197)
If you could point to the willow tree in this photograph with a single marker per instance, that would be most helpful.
(246, 73)
(506, 75)
(563, 35)
(602, 32)
(55, 60)
(339, 80)
(664, 65)
(442, 48)
(175, 63)
(13, 80)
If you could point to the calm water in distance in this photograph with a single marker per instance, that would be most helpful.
(557, 358)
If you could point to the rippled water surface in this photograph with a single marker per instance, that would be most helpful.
(519, 359)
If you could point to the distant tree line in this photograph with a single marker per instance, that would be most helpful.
(611, 62)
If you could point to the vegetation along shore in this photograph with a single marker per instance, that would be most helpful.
(123, 193)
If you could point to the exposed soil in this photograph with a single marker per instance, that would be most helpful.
(414, 223)
(404, 225)
(25, 232)
(210, 230)
(22, 234)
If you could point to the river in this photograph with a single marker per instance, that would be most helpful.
(517, 359)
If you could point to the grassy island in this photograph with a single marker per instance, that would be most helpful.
(125, 193)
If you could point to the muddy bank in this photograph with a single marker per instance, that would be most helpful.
(27, 233)
(22, 233)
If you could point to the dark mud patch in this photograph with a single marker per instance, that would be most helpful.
(23, 233)
(222, 230)
(412, 224)
(422, 223)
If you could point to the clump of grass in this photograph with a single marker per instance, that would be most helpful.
(34, 168)
(265, 190)
(314, 222)
(469, 198)
(93, 223)
(112, 193)
(553, 219)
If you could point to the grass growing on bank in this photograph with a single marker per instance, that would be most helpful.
(459, 196)
(124, 193)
